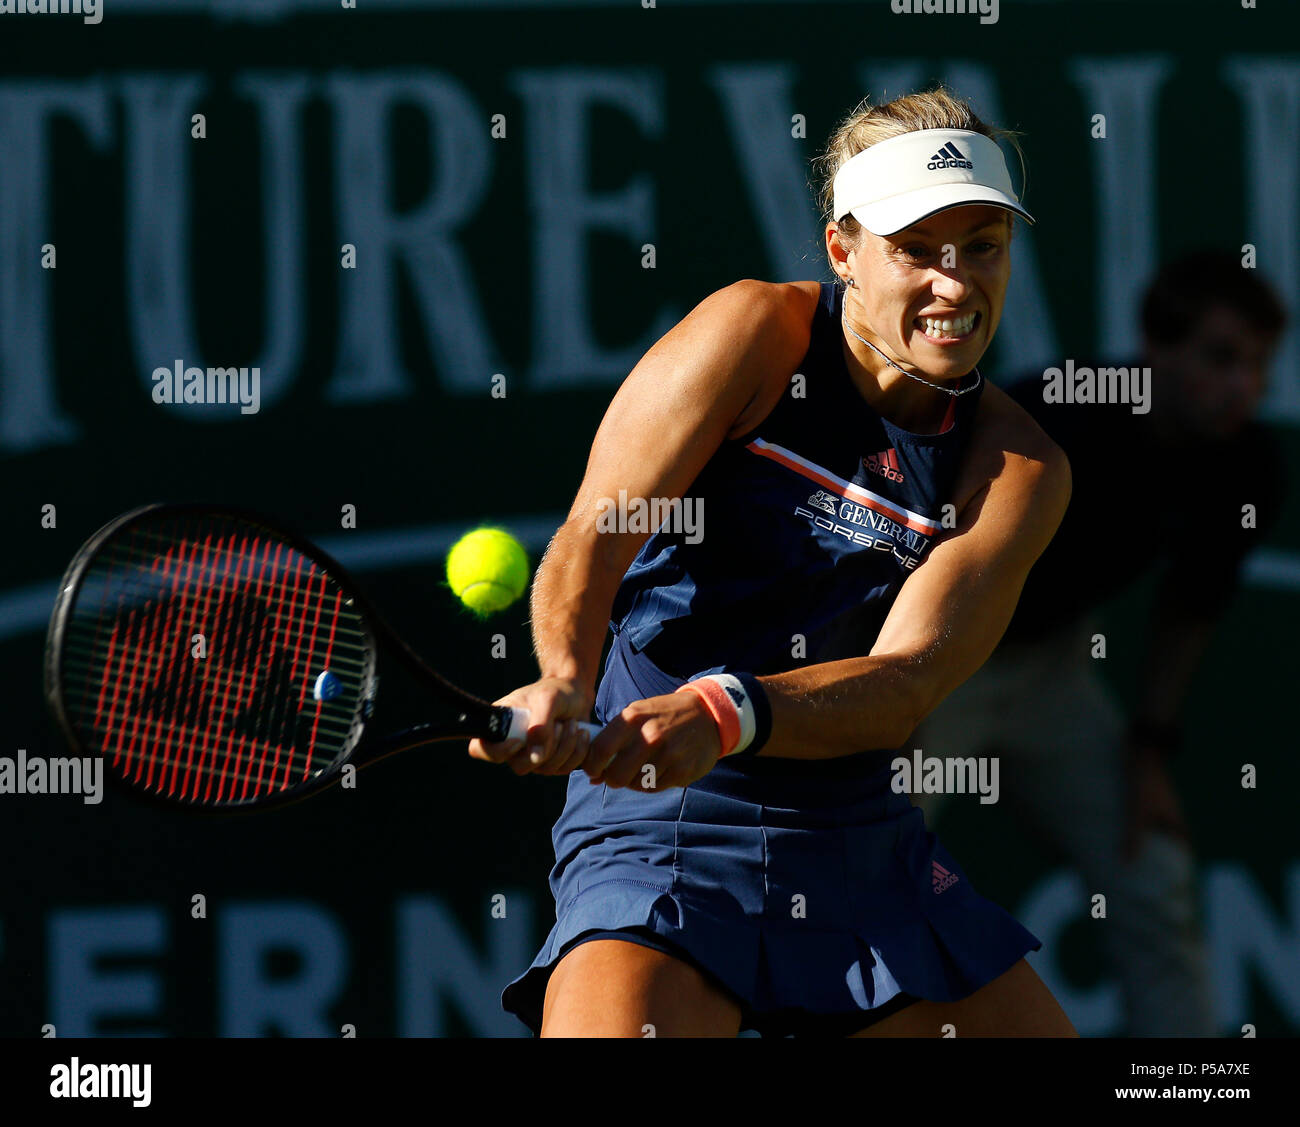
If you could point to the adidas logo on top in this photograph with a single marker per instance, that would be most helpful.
(885, 464)
(940, 878)
(949, 157)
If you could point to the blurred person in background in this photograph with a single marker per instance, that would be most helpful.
(1163, 488)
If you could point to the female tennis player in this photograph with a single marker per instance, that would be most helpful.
(731, 854)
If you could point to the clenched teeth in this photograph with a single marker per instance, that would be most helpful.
(945, 327)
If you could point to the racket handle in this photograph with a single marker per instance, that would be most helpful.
(519, 725)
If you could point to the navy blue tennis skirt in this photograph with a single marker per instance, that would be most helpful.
(807, 890)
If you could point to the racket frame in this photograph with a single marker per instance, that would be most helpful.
(476, 718)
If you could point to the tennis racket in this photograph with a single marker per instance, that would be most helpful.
(217, 660)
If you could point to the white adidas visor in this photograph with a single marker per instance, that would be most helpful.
(898, 182)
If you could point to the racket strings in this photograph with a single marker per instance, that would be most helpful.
(178, 613)
(232, 720)
(267, 736)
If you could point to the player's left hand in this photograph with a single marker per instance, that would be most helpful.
(656, 743)
(1153, 804)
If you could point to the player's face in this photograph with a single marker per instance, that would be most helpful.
(1217, 374)
(934, 292)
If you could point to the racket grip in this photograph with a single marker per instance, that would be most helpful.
(519, 725)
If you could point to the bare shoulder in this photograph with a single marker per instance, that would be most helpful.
(1009, 448)
(776, 309)
(780, 316)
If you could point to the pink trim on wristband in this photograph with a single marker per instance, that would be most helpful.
(721, 707)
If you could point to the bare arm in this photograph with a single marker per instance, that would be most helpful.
(699, 383)
(946, 621)
(948, 617)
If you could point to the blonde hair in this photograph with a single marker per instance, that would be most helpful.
(867, 125)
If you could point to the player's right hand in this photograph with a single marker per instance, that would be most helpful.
(554, 745)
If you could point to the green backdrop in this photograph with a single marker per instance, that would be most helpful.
(643, 158)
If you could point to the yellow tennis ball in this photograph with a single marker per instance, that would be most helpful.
(487, 569)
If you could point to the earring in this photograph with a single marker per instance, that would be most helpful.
(852, 282)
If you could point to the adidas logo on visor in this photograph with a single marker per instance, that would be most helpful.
(949, 157)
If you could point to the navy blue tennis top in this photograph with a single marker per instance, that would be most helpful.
(809, 525)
